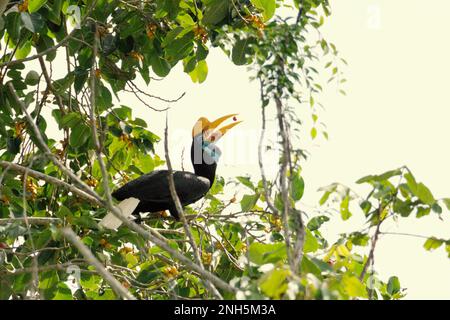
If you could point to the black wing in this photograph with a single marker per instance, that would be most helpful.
(154, 187)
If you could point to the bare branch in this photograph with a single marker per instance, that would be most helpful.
(31, 220)
(260, 157)
(155, 97)
(180, 211)
(284, 184)
(370, 258)
(50, 179)
(59, 266)
(50, 85)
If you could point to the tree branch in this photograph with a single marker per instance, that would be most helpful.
(50, 179)
(113, 282)
(31, 220)
(260, 156)
(180, 211)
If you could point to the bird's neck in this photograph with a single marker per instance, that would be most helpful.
(207, 171)
(203, 166)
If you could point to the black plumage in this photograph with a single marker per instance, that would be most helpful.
(152, 189)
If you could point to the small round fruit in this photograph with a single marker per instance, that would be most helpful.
(32, 78)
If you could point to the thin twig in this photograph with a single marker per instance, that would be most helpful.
(59, 267)
(260, 156)
(155, 97)
(370, 258)
(50, 85)
(180, 211)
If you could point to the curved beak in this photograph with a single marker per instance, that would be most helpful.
(213, 133)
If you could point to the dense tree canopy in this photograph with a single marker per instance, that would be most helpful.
(55, 185)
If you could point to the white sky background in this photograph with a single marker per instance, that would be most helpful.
(396, 112)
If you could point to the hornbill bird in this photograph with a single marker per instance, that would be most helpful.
(151, 192)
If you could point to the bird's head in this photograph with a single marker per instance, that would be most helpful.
(205, 135)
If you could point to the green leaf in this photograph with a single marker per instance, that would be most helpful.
(180, 48)
(202, 51)
(411, 182)
(359, 239)
(344, 208)
(422, 212)
(267, 6)
(446, 201)
(311, 243)
(241, 51)
(298, 187)
(200, 72)
(146, 163)
(377, 178)
(35, 5)
(313, 133)
(79, 135)
(71, 120)
(13, 145)
(424, 194)
(248, 202)
(274, 283)
(246, 182)
(160, 66)
(316, 222)
(33, 22)
(149, 274)
(216, 11)
(393, 285)
(167, 8)
(62, 85)
(189, 64)
(432, 243)
(353, 287)
(262, 253)
(309, 266)
(328, 190)
(26, 19)
(63, 292)
(23, 51)
(365, 206)
(47, 281)
(55, 12)
(104, 98)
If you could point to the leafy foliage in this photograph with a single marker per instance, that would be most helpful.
(108, 44)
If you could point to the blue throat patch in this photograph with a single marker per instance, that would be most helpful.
(210, 148)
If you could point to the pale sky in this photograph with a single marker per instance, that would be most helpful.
(396, 112)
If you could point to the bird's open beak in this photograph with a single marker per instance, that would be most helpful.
(212, 132)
